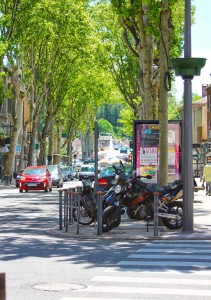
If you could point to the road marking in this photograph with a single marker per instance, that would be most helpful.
(170, 256)
(165, 263)
(186, 273)
(175, 250)
(142, 290)
(156, 280)
(178, 245)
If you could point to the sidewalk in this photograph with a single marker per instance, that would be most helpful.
(3, 185)
(137, 230)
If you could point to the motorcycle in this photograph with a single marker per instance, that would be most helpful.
(138, 198)
(169, 209)
(115, 204)
(88, 205)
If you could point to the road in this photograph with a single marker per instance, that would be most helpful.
(42, 267)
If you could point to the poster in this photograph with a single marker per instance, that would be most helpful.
(147, 151)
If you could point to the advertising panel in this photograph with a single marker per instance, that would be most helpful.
(146, 152)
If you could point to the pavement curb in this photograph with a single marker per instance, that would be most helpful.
(134, 234)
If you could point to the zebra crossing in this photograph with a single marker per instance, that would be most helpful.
(175, 270)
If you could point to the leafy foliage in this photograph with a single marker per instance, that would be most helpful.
(105, 126)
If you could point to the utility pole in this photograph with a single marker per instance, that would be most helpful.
(187, 67)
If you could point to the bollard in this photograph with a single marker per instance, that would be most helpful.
(60, 209)
(72, 201)
(156, 194)
(99, 213)
(66, 209)
(78, 204)
(78, 210)
(2, 287)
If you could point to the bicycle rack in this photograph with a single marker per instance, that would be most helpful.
(69, 199)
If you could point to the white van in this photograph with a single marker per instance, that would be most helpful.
(86, 172)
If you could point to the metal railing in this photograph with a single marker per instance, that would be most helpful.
(69, 209)
(69, 202)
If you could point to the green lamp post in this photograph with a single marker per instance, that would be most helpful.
(187, 67)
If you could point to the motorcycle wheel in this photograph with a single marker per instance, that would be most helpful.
(174, 208)
(131, 213)
(108, 222)
(84, 218)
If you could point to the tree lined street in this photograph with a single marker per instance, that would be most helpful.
(58, 69)
(70, 70)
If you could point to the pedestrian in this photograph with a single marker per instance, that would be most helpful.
(207, 176)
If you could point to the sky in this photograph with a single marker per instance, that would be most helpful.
(201, 47)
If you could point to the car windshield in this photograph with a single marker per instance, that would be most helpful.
(33, 171)
(67, 168)
(53, 169)
(87, 169)
(107, 172)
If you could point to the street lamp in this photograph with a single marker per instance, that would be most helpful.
(96, 135)
(187, 67)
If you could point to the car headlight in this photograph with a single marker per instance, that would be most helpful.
(117, 189)
(22, 178)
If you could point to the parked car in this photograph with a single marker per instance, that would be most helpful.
(89, 161)
(123, 149)
(18, 176)
(64, 173)
(77, 164)
(106, 178)
(56, 173)
(86, 171)
(71, 172)
(35, 178)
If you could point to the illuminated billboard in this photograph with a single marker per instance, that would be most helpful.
(146, 149)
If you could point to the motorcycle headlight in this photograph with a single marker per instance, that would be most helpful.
(117, 189)
(116, 177)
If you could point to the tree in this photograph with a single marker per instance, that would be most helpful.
(10, 52)
(151, 38)
(126, 119)
(105, 127)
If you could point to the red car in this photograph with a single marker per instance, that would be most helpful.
(35, 178)
(20, 173)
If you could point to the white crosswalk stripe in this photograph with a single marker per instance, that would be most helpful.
(175, 270)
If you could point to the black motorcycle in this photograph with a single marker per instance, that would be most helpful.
(88, 204)
(115, 203)
(138, 198)
(141, 207)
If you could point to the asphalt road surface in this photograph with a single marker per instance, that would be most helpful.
(43, 267)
